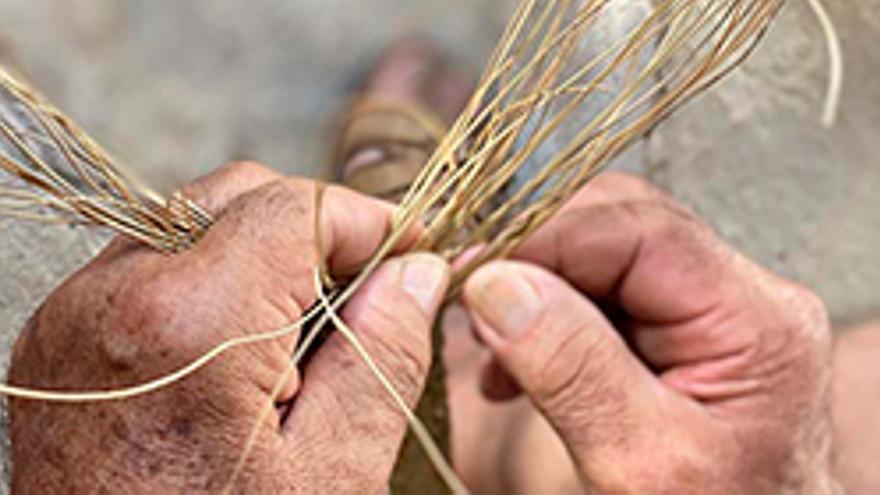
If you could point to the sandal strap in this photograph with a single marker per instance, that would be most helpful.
(404, 136)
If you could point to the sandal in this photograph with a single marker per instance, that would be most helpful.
(403, 111)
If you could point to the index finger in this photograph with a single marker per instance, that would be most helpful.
(637, 247)
(285, 228)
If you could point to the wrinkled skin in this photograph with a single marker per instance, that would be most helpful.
(133, 315)
(666, 362)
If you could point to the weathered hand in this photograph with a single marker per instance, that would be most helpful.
(133, 315)
(667, 362)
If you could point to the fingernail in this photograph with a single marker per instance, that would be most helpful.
(425, 277)
(505, 299)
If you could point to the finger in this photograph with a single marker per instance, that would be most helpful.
(287, 227)
(609, 188)
(669, 274)
(354, 226)
(569, 360)
(615, 187)
(606, 189)
(657, 262)
(260, 257)
(392, 315)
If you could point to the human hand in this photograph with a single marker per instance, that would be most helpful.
(701, 372)
(133, 315)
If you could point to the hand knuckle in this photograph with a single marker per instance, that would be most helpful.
(141, 313)
(245, 169)
(150, 301)
(809, 316)
(567, 380)
(813, 305)
(408, 369)
(672, 221)
(284, 197)
(628, 184)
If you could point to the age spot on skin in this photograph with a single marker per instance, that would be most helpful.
(120, 350)
(181, 427)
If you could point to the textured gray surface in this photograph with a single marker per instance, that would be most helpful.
(181, 87)
(753, 158)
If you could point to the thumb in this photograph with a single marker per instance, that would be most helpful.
(566, 357)
(392, 316)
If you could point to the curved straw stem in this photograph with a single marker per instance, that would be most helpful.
(444, 469)
(159, 383)
(835, 63)
(496, 138)
(53, 158)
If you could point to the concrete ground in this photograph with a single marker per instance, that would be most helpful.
(178, 88)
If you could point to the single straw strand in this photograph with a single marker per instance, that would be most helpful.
(444, 469)
(835, 64)
(159, 383)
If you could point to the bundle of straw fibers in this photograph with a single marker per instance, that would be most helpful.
(521, 148)
(506, 150)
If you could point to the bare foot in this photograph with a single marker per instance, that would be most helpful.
(411, 72)
(498, 448)
(416, 71)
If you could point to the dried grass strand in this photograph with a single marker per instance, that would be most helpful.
(162, 382)
(835, 63)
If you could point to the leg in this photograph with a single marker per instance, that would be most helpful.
(857, 409)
